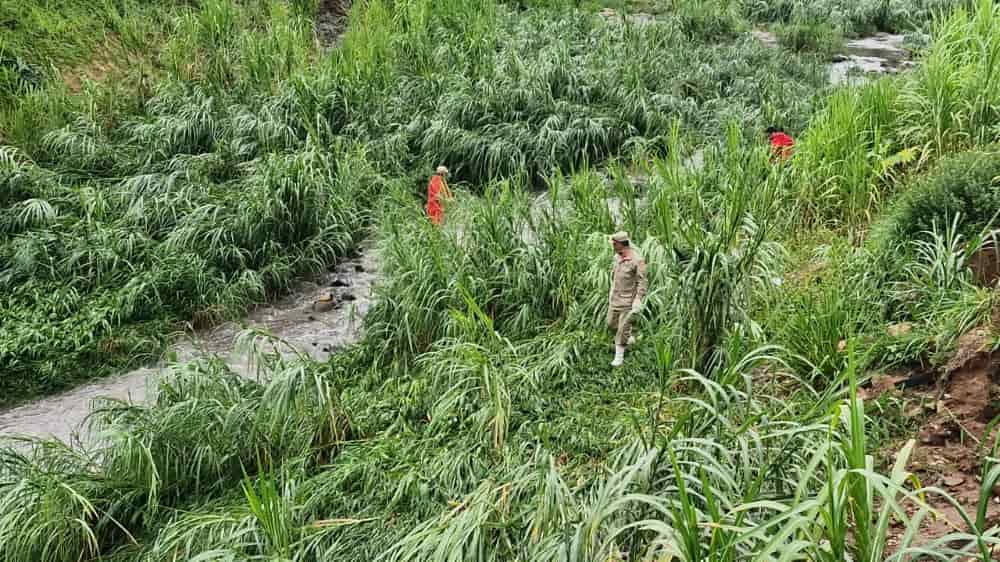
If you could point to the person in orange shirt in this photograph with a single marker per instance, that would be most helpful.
(781, 144)
(437, 189)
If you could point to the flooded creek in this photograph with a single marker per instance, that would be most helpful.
(317, 318)
(882, 53)
(317, 326)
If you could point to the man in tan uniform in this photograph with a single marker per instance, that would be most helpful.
(628, 288)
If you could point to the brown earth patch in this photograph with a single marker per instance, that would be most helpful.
(95, 70)
(985, 265)
(107, 61)
(955, 407)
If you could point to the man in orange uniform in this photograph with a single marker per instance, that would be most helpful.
(436, 190)
(781, 143)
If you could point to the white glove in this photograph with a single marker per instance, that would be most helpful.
(636, 306)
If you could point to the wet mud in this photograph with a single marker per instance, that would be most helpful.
(954, 407)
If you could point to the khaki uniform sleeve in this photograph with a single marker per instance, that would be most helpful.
(641, 281)
(611, 289)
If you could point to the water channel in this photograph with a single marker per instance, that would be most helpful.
(317, 319)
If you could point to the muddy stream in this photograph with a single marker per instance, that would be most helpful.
(881, 53)
(317, 319)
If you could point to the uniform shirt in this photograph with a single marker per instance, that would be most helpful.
(436, 189)
(628, 280)
(781, 145)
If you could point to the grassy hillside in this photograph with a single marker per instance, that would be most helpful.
(479, 419)
(46, 42)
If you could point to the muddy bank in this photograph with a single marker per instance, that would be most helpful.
(307, 319)
(953, 406)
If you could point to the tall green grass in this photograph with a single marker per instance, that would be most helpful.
(852, 154)
(855, 17)
(477, 420)
(954, 91)
(188, 199)
(43, 39)
(217, 215)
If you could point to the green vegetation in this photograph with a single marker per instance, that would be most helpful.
(964, 187)
(167, 206)
(817, 37)
(193, 200)
(851, 17)
(851, 156)
(478, 418)
(856, 17)
(47, 41)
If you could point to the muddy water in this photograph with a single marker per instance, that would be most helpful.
(330, 21)
(317, 333)
(881, 53)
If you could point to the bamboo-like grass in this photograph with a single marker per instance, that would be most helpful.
(478, 419)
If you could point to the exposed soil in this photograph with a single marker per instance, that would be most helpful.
(985, 265)
(97, 68)
(954, 405)
(331, 20)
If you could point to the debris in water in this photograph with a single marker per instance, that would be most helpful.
(338, 282)
(358, 268)
(348, 297)
(881, 53)
(324, 303)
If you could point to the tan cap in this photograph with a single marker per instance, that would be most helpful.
(620, 236)
(442, 171)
